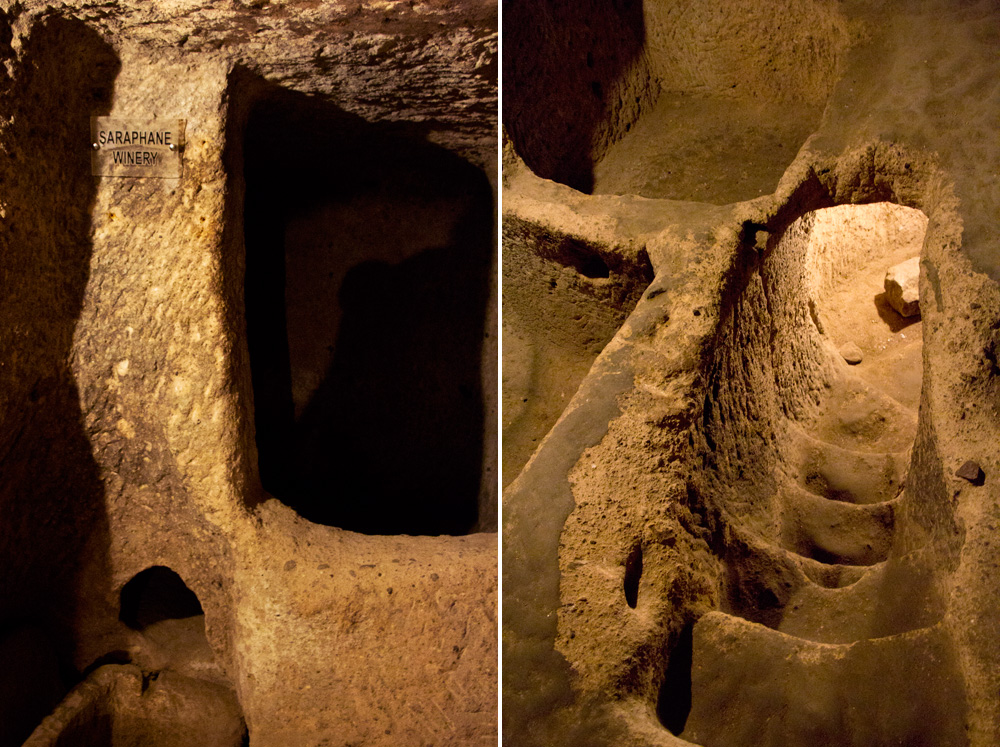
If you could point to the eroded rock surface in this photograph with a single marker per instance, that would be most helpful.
(730, 535)
(135, 412)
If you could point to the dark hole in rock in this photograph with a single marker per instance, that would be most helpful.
(585, 261)
(155, 595)
(633, 574)
(171, 623)
(674, 702)
(594, 267)
(368, 258)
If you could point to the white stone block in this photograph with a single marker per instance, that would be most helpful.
(901, 287)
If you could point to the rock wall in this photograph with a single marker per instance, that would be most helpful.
(633, 90)
(129, 389)
(734, 533)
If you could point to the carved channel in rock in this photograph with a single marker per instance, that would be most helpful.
(824, 580)
(367, 288)
(120, 705)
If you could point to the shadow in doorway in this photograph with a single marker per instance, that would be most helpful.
(367, 287)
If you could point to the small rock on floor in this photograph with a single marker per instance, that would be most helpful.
(972, 472)
(851, 353)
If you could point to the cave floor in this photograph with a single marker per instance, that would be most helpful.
(705, 149)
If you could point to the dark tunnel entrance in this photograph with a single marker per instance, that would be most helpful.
(155, 595)
(367, 286)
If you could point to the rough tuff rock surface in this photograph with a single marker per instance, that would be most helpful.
(725, 535)
(136, 530)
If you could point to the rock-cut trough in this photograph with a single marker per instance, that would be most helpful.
(750, 390)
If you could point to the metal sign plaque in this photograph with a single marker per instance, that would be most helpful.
(126, 147)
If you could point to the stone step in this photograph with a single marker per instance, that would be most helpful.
(840, 474)
(833, 531)
(893, 597)
(755, 687)
(764, 578)
(828, 603)
(832, 575)
(859, 417)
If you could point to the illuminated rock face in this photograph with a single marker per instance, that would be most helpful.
(902, 288)
(199, 375)
(748, 522)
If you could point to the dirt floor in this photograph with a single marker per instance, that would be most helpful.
(704, 149)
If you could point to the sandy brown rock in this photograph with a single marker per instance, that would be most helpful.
(128, 401)
(852, 353)
(730, 537)
(122, 705)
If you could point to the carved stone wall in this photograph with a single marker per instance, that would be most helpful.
(236, 376)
